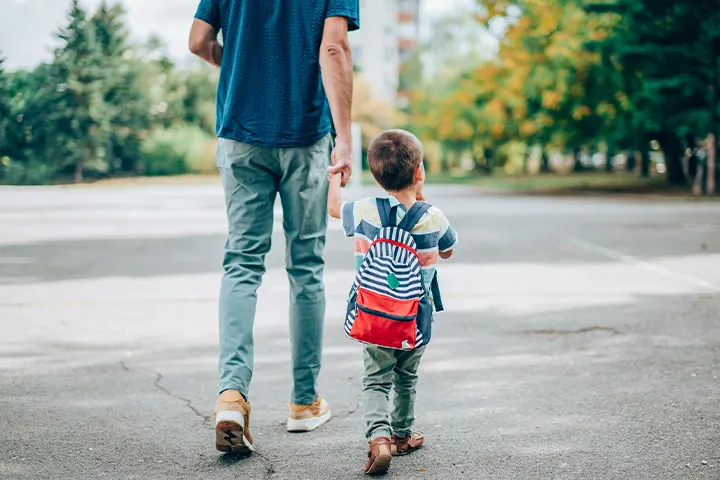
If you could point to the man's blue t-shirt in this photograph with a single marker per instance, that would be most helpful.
(270, 90)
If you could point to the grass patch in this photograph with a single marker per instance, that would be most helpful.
(591, 182)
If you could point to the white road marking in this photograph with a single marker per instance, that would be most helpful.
(651, 267)
(15, 260)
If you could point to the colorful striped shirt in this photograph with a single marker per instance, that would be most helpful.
(432, 234)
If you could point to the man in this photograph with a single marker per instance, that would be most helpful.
(285, 79)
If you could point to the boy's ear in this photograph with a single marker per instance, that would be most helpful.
(420, 173)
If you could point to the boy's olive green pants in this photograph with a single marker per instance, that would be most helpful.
(387, 369)
(252, 177)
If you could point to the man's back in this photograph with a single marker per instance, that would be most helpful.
(270, 91)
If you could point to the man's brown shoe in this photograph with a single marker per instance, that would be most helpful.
(232, 423)
(304, 418)
(379, 456)
(403, 446)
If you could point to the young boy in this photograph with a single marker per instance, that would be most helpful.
(396, 161)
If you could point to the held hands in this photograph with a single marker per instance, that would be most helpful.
(341, 163)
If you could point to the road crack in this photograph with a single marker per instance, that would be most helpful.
(354, 409)
(269, 468)
(207, 419)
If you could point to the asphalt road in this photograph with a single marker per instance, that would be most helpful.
(581, 340)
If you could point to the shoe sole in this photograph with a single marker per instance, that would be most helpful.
(229, 434)
(307, 424)
(380, 465)
(397, 453)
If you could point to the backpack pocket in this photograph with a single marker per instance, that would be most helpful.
(384, 321)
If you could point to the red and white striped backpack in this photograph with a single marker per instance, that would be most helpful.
(389, 305)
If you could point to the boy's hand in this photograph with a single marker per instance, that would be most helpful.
(334, 195)
(446, 255)
(341, 163)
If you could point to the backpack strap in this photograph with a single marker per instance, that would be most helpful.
(388, 213)
(414, 215)
(435, 290)
(383, 206)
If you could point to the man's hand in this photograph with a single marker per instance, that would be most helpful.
(341, 163)
(337, 77)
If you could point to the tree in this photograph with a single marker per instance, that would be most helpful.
(92, 109)
(81, 116)
(667, 52)
(554, 88)
(373, 115)
(5, 111)
(198, 97)
(126, 98)
(546, 86)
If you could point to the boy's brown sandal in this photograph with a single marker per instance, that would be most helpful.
(403, 446)
(379, 456)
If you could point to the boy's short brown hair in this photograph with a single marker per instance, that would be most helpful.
(394, 156)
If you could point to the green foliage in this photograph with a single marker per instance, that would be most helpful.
(5, 110)
(90, 110)
(28, 172)
(668, 55)
(179, 149)
(198, 92)
(574, 75)
(81, 114)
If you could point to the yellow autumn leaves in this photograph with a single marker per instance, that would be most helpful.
(540, 87)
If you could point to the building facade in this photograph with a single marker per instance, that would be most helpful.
(389, 35)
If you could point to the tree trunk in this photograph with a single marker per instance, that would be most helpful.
(444, 162)
(676, 176)
(452, 161)
(544, 162)
(79, 166)
(489, 163)
(693, 165)
(645, 163)
(609, 155)
(693, 162)
(631, 161)
(673, 150)
(697, 178)
(711, 164)
(577, 165)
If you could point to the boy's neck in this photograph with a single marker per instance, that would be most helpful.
(407, 197)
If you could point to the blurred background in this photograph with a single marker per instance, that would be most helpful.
(617, 95)
(580, 337)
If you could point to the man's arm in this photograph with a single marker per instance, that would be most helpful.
(337, 77)
(203, 42)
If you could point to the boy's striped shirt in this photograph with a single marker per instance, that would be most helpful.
(432, 234)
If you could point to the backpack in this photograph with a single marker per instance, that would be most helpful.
(388, 305)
